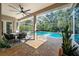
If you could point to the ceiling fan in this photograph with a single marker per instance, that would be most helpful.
(20, 10)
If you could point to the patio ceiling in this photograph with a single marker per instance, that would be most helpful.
(33, 6)
(54, 6)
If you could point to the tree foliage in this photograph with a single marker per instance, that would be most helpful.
(76, 9)
(55, 20)
(26, 26)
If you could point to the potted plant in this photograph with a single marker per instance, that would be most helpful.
(67, 47)
(4, 43)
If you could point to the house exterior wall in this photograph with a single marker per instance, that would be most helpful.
(5, 19)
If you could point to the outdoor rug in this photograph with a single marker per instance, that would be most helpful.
(36, 43)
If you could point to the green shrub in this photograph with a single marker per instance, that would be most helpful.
(4, 43)
(25, 28)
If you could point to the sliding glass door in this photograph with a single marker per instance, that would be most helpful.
(8, 27)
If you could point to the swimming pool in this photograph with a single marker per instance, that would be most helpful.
(56, 35)
(49, 34)
(76, 38)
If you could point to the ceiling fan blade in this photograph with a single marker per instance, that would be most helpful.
(20, 6)
(13, 10)
(26, 14)
(27, 10)
(23, 15)
(13, 7)
(18, 13)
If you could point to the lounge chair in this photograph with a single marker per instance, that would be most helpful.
(9, 37)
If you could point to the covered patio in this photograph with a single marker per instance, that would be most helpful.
(38, 46)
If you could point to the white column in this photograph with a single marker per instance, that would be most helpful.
(73, 24)
(18, 25)
(4, 26)
(34, 27)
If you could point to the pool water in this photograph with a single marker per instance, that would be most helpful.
(76, 37)
(49, 34)
(56, 35)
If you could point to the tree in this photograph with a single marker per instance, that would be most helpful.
(55, 20)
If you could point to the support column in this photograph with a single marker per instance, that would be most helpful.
(0, 22)
(34, 27)
(14, 26)
(73, 24)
